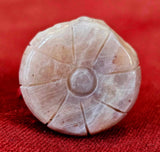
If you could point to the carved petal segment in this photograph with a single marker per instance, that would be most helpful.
(69, 119)
(56, 42)
(41, 36)
(115, 57)
(119, 90)
(44, 100)
(37, 68)
(99, 116)
(88, 38)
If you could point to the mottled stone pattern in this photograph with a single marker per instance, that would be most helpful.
(79, 77)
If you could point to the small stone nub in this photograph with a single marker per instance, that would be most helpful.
(82, 81)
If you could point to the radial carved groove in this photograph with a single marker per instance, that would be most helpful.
(79, 77)
(114, 57)
(44, 105)
(83, 31)
(99, 116)
(125, 71)
(119, 90)
(87, 129)
(61, 49)
(100, 49)
(69, 119)
(112, 107)
(54, 114)
(73, 50)
(39, 68)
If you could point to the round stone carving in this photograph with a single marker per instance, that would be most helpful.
(79, 77)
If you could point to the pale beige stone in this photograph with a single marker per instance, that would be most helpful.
(37, 68)
(119, 90)
(91, 32)
(79, 77)
(69, 119)
(45, 104)
(99, 116)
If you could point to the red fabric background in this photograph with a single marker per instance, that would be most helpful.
(137, 21)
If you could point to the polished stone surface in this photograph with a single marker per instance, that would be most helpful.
(79, 77)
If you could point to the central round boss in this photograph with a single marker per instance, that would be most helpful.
(82, 81)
